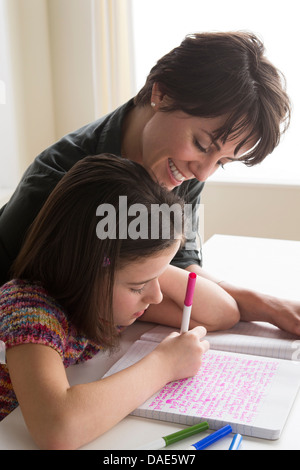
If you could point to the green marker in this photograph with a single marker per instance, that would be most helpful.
(175, 437)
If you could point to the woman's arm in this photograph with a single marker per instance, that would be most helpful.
(62, 417)
(257, 306)
(212, 308)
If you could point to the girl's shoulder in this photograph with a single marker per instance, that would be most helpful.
(28, 314)
(19, 295)
(26, 309)
(20, 286)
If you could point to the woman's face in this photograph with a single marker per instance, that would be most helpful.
(137, 286)
(178, 147)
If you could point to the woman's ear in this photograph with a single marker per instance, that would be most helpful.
(157, 96)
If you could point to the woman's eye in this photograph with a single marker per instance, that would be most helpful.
(221, 165)
(199, 146)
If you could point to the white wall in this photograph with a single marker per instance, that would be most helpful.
(29, 103)
(57, 77)
(266, 210)
(258, 210)
(71, 63)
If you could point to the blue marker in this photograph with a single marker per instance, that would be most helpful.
(236, 442)
(207, 441)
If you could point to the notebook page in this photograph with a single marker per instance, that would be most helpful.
(261, 329)
(137, 351)
(252, 393)
(261, 339)
(279, 348)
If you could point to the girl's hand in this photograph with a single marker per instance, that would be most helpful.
(183, 353)
(60, 416)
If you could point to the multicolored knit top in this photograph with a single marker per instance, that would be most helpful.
(29, 315)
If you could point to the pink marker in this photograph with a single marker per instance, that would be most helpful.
(188, 301)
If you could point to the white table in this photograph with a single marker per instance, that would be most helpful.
(267, 265)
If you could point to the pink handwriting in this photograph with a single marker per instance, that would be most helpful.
(226, 387)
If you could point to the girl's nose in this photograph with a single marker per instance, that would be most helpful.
(153, 294)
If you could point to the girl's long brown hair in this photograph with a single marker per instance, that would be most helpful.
(64, 254)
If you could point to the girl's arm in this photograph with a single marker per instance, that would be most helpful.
(212, 308)
(62, 417)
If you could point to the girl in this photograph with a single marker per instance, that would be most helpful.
(212, 100)
(74, 287)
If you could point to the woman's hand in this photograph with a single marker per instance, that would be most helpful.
(256, 306)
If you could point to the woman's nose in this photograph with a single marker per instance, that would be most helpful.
(204, 167)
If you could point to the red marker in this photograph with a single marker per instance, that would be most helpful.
(188, 301)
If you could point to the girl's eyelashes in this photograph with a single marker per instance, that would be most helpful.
(221, 165)
(137, 291)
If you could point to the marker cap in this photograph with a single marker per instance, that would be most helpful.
(185, 433)
(236, 442)
(190, 289)
(213, 437)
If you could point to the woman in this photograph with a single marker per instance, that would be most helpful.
(212, 100)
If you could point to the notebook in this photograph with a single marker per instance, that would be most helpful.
(260, 338)
(253, 392)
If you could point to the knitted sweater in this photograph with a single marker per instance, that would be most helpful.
(29, 315)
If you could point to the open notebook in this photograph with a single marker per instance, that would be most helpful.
(253, 390)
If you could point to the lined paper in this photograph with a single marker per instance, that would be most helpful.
(261, 339)
(252, 393)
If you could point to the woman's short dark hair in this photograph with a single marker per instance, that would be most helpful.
(63, 252)
(225, 74)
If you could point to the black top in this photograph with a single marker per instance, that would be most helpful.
(101, 136)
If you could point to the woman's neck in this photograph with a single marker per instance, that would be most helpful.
(132, 132)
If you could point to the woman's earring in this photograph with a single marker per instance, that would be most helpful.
(153, 104)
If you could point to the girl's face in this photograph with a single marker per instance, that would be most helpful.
(137, 286)
(178, 147)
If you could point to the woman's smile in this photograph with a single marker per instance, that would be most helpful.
(176, 176)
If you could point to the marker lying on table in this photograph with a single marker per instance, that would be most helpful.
(236, 442)
(214, 437)
(188, 301)
(175, 437)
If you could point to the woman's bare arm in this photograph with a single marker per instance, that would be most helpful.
(212, 308)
